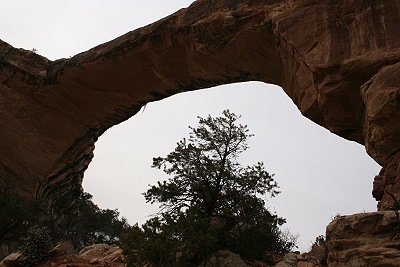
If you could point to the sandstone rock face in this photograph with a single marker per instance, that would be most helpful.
(337, 60)
(367, 239)
(290, 260)
(103, 253)
(225, 258)
(359, 240)
(309, 259)
(12, 260)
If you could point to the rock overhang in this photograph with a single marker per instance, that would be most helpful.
(338, 63)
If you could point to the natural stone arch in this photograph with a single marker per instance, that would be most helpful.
(338, 62)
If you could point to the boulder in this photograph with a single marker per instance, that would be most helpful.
(100, 253)
(12, 260)
(225, 258)
(365, 239)
(290, 260)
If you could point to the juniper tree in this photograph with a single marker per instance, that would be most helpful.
(211, 201)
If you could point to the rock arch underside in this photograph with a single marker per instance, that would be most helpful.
(339, 61)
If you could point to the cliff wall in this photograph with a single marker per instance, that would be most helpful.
(339, 61)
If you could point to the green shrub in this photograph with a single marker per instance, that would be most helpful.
(36, 245)
(319, 241)
(16, 214)
(210, 202)
(73, 218)
(80, 221)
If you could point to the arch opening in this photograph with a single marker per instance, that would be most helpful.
(320, 174)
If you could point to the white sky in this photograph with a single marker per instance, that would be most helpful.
(319, 173)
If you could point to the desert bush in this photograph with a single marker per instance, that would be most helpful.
(36, 245)
(16, 214)
(319, 241)
(80, 221)
(66, 247)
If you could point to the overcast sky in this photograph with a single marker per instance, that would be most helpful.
(319, 173)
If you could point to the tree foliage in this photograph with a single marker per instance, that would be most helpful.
(17, 215)
(206, 173)
(73, 217)
(36, 245)
(210, 202)
(79, 220)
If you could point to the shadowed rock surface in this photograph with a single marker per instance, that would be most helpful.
(365, 239)
(359, 240)
(98, 255)
(337, 60)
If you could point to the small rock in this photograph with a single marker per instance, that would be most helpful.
(305, 264)
(12, 260)
(93, 251)
(94, 260)
(225, 258)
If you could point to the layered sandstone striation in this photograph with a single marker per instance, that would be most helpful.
(337, 60)
(359, 240)
(365, 239)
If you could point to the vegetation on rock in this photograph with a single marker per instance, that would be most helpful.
(211, 202)
(35, 246)
(17, 215)
(73, 218)
(82, 223)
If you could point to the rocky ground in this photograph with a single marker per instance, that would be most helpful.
(359, 240)
(99, 255)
